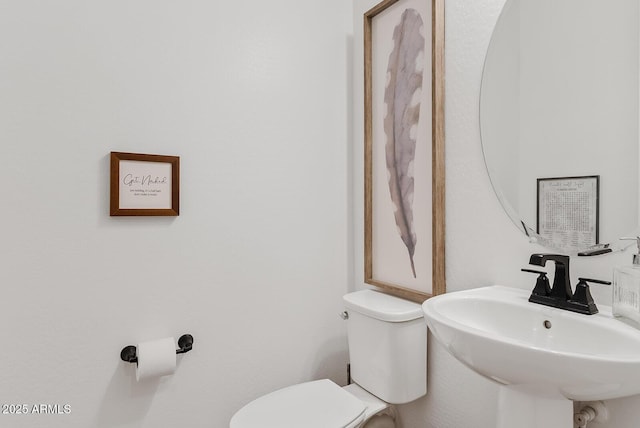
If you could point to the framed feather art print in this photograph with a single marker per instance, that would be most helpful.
(404, 147)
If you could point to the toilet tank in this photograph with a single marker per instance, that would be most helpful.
(387, 345)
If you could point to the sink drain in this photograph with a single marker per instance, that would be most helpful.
(547, 324)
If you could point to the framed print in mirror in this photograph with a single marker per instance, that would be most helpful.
(569, 211)
(144, 185)
(404, 147)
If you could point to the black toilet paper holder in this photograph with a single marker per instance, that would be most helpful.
(129, 353)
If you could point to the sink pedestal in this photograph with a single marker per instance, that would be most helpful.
(528, 409)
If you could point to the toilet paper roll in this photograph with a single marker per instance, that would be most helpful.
(156, 358)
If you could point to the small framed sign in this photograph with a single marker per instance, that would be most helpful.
(144, 185)
(568, 211)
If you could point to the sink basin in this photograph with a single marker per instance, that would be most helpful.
(544, 351)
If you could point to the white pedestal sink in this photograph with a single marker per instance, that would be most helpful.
(544, 357)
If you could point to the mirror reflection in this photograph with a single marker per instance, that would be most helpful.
(559, 101)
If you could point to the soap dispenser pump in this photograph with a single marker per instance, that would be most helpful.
(626, 289)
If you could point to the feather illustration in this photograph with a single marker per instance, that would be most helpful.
(402, 99)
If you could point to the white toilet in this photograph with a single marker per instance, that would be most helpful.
(388, 352)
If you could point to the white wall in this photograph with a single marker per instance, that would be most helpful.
(483, 246)
(253, 96)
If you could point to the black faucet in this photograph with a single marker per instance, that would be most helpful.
(561, 287)
(560, 294)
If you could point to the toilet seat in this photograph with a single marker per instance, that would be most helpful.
(317, 404)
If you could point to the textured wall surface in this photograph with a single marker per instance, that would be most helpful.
(253, 97)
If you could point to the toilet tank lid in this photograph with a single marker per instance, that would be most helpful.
(383, 306)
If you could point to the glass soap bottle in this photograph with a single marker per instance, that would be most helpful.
(626, 290)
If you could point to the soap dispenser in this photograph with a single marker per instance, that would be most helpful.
(626, 289)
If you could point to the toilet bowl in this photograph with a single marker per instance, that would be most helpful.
(388, 349)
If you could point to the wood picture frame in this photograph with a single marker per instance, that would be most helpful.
(144, 185)
(384, 26)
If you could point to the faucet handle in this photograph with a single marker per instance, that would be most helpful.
(540, 272)
(582, 295)
(542, 287)
(595, 281)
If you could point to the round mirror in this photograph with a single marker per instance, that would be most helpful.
(559, 120)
